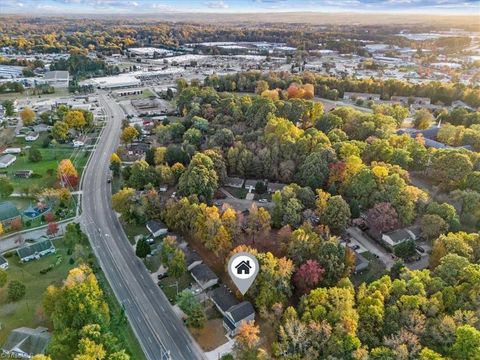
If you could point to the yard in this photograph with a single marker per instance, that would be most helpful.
(375, 270)
(44, 170)
(29, 311)
(171, 285)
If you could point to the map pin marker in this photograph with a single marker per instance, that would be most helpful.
(243, 269)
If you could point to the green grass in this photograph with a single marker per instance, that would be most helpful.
(236, 192)
(132, 230)
(45, 169)
(147, 93)
(375, 270)
(168, 285)
(59, 92)
(28, 311)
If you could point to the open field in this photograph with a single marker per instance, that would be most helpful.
(375, 270)
(59, 92)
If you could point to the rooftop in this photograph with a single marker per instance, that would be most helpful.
(203, 273)
(241, 311)
(8, 211)
(28, 340)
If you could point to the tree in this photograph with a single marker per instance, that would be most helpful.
(122, 202)
(314, 170)
(142, 249)
(308, 276)
(199, 178)
(449, 167)
(460, 243)
(52, 229)
(405, 250)
(67, 173)
(9, 108)
(75, 119)
(247, 341)
(34, 155)
(432, 226)
(177, 265)
(423, 119)
(3, 278)
(129, 134)
(115, 164)
(467, 343)
(6, 187)
(16, 290)
(28, 116)
(337, 214)
(262, 86)
(258, 222)
(60, 131)
(187, 302)
(382, 218)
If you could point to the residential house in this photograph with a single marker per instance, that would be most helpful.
(273, 186)
(156, 228)
(236, 315)
(354, 96)
(204, 276)
(26, 342)
(39, 128)
(192, 258)
(8, 214)
(7, 160)
(15, 150)
(223, 299)
(361, 263)
(393, 238)
(3, 263)
(414, 101)
(32, 136)
(234, 182)
(36, 250)
(25, 174)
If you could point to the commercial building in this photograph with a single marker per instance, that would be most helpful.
(113, 82)
(57, 79)
(10, 71)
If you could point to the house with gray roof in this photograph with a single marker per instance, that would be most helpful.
(57, 79)
(24, 342)
(223, 299)
(36, 250)
(361, 263)
(3, 263)
(236, 315)
(8, 213)
(204, 276)
(156, 227)
(395, 237)
(7, 160)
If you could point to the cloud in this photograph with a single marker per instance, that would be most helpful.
(217, 4)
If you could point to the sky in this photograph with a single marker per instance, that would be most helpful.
(468, 7)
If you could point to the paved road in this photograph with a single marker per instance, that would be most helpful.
(371, 246)
(157, 328)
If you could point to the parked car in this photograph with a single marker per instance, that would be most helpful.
(355, 247)
(420, 249)
(363, 227)
(162, 276)
(263, 201)
(109, 180)
(217, 203)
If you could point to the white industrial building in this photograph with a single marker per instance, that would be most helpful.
(57, 79)
(113, 82)
(149, 52)
(10, 71)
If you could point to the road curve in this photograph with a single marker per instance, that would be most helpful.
(160, 333)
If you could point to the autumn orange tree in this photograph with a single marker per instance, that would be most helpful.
(67, 173)
(28, 116)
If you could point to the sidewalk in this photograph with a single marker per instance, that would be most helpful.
(221, 350)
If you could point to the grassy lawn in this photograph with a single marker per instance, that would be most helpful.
(169, 285)
(375, 270)
(132, 230)
(147, 93)
(44, 170)
(28, 311)
(59, 92)
(236, 192)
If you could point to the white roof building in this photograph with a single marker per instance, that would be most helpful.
(57, 78)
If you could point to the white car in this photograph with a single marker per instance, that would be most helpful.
(263, 201)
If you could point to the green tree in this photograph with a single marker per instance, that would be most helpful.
(34, 155)
(467, 343)
(199, 178)
(337, 214)
(9, 108)
(177, 265)
(3, 278)
(142, 249)
(6, 187)
(60, 131)
(16, 290)
(432, 226)
(423, 119)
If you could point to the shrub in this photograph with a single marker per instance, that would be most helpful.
(16, 290)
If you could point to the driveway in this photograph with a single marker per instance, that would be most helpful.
(371, 246)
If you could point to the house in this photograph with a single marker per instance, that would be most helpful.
(36, 250)
(243, 267)
(361, 263)
(3, 263)
(223, 299)
(393, 238)
(192, 258)
(236, 315)
(138, 148)
(57, 79)
(26, 342)
(233, 182)
(25, 174)
(354, 96)
(32, 136)
(39, 128)
(12, 151)
(204, 276)
(460, 103)
(156, 228)
(7, 160)
(8, 214)
(272, 187)
(415, 101)
(250, 184)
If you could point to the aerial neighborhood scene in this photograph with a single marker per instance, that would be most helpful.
(240, 180)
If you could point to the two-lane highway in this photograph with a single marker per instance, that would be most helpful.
(161, 334)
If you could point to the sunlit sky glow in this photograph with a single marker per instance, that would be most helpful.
(470, 7)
